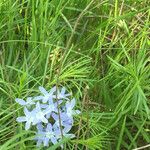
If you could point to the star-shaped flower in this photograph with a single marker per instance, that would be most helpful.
(69, 108)
(45, 111)
(48, 96)
(33, 117)
(46, 135)
(40, 114)
(28, 118)
(27, 103)
(52, 107)
(66, 122)
(62, 94)
(65, 134)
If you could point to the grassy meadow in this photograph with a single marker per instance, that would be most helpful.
(98, 49)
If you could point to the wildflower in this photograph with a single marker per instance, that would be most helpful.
(39, 114)
(39, 136)
(33, 117)
(27, 103)
(66, 122)
(46, 135)
(48, 96)
(69, 108)
(61, 94)
(52, 107)
(50, 124)
(65, 134)
(28, 118)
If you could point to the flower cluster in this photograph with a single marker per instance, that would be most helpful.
(52, 112)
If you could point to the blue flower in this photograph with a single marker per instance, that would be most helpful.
(39, 136)
(52, 107)
(66, 122)
(46, 135)
(28, 118)
(61, 94)
(48, 96)
(69, 108)
(65, 134)
(33, 117)
(44, 114)
(27, 103)
(40, 114)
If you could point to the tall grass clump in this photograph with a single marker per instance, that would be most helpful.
(99, 50)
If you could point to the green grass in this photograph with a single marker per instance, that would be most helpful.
(99, 50)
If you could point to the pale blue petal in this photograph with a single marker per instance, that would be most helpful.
(39, 142)
(46, 141)
(63, 90)
(42, 90)
(68, 104)
(48, 115)
(69, 135)
(30, 101)
(50, 100)
(36, 121)
(64, 116)
(20, 101)
(27, 125)
(47, 110)
(43, 105)
(73, 102)
(77, 112)
(45, 99)
(26, 112)
(67, 128)
(38, 108)
(57, 131)
(21, 119)
(38, 98)
(54, 140)
(40, 126)
(43, 119)
(55, 116)
(52, 90)
(49, 128)
(60, 101)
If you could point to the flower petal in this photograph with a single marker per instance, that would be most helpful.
(69, 135)
(49, 127)
(43, 119)
(21, 119)
(27, 125)
(63, 90)
(52, 90)
(20, 101)
(26, 112)
(67, 128)
(55, 116)
(39, 142)
(46, 141)
(72, 103)
(42, 90)
(39, 126)
(48, 115)
(54, 140)
(77, 112)
(43, 105)
(38, 98)
(38, 108)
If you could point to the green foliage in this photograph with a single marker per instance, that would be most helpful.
(98, 49)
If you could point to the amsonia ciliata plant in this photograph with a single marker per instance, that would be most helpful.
(51, 112)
